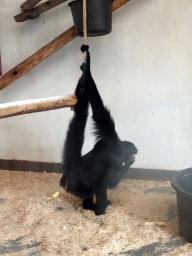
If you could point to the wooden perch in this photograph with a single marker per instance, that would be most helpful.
(118, 3)
(45, 52)
(37, 105)
(28, 4)
(34, 12)
(37, 58)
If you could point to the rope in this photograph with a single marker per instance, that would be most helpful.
(85, 25)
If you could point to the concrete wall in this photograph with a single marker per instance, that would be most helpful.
(142, 69)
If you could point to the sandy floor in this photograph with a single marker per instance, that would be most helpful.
(32, 226)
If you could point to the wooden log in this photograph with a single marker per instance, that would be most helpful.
(44, 53)
(28, 4)
(34, 12)
(37, 58)
(36, 105)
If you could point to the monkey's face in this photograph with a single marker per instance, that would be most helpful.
(129, 151)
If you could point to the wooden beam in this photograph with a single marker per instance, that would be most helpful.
(118, 3)
(34, 12)
(28, 4)
(29, 13)
(44, 53)
(35, 59)
(37, 105)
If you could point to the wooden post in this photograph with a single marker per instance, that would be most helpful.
(37, 105)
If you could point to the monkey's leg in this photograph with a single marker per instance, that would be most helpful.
(101, 200)
(88, 204)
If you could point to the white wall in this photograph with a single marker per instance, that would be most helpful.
(142, 69)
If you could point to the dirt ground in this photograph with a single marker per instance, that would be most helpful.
(30, 225)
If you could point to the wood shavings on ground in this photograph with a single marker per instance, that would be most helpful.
(31, 224)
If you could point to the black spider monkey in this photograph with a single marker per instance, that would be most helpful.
(102, 167)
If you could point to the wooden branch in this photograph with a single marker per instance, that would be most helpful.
(35, 59)
(44, 53)
(34, 12)
(118, 3)
(37, 105)
(28, 4)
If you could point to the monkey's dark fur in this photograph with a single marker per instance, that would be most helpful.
(101, 168)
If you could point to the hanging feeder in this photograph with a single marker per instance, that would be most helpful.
(99, 17)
